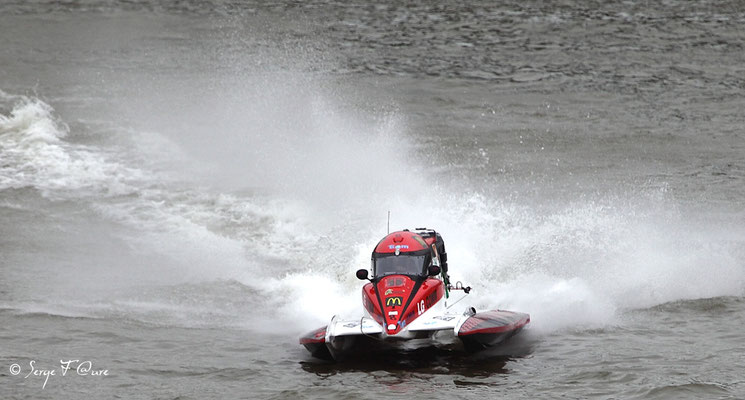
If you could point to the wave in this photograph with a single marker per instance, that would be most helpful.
(35, 154)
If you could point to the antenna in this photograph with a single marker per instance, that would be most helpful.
(389, 222)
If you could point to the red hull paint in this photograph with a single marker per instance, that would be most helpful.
(399, 306)
(316, 336)
(315, 343)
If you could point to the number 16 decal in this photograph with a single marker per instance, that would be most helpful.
(420, 308)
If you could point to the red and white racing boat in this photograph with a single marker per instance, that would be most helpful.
(409, 296)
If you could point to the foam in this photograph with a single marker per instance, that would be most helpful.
(318, 206)
(581, 265)
(35, 155)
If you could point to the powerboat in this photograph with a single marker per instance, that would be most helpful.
(409, 296)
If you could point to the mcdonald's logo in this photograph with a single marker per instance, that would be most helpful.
(393, 301)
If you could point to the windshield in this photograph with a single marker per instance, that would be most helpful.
(406, 265)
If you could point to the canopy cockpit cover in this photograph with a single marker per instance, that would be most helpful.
(401, 252)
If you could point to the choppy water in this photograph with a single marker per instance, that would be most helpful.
(186, 186)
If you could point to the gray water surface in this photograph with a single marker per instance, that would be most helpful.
(188, 186)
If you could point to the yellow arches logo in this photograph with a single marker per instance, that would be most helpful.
(393, 301)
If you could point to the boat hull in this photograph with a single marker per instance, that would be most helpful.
(476, 332)
(490, 328)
